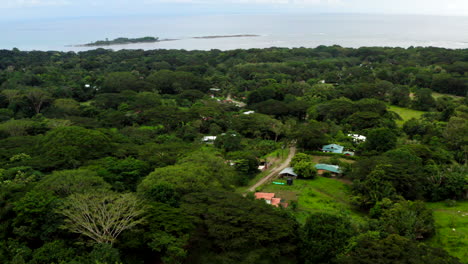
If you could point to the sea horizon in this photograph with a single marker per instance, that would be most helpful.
(274, 30)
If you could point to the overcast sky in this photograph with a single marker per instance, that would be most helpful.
(31, 9)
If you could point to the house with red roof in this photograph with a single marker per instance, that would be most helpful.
(270, 199)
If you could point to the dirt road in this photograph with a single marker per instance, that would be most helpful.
(276, 170)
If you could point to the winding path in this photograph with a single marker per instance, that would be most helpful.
(276, 170)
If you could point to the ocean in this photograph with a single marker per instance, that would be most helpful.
(274, 30)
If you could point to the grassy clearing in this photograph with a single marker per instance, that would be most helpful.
(405, 113)
(452, 228)
(318, 195)
(437, 95)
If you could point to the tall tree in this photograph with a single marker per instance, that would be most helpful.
(101, 216)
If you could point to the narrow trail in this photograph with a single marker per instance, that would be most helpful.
(275, 171)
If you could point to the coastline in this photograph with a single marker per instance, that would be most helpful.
(164, 40)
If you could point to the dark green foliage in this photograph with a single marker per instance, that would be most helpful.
(412, 220)
(448, 183)
(122, 174)
(324, 236)
(229, 226)
(229, 141)
(83, 124)
(311, 135)
(370, 249)
(380, 140)
(423, 100)
(69, 147)
(64, 183)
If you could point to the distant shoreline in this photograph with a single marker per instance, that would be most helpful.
(155, 40)
(113, 43)
(227, 36)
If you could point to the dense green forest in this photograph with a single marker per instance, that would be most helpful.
(103, 158)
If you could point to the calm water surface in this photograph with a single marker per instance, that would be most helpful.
(274, 30)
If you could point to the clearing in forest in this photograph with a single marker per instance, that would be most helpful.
(405, 113)
(451, 228)
(322, 194)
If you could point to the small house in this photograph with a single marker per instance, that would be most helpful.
(249, 112)
(288, 173)
(333, 148)
(209, 139)
(270, 199)
(263, 165)
(357, 138)
(333, 169)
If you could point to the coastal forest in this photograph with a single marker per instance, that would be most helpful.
(137, 156)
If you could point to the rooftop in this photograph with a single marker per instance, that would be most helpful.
(266, 196)
(289, 171)
(328, 167)
(334, 148)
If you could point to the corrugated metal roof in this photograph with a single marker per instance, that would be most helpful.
(328, 167)
(334, 148)
(288, 171)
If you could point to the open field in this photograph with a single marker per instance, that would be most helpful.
(318, 195)
(437, 95)
(452, 228)
(405, 113)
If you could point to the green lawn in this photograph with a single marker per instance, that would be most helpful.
(318, 195)
(437, 95)
(405, 113)
(452, 228)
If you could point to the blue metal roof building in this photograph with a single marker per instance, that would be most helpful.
(328, 167)
(333, 148)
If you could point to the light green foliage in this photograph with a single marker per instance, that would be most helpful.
(67, 106)
(405, 113)
(21, 127)
(305, 169)
(196, 172)
(298, 158)
(320, 195)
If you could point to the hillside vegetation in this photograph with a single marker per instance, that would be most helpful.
(137, 156)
